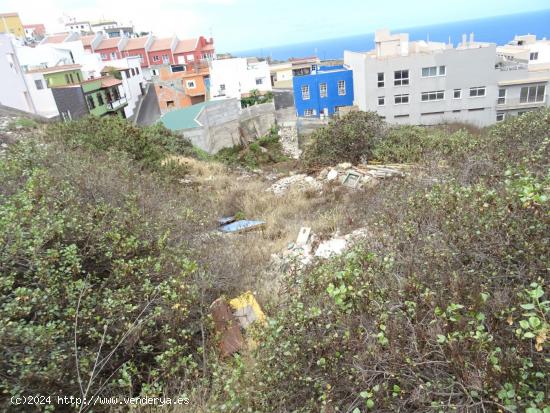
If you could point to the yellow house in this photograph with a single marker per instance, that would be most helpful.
(11, 23)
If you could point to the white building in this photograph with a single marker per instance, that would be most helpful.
(79, 26)
(233, 78)
(526, 49)
(427, 83)
(13, 88)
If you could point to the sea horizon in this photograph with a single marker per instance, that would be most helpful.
(498, 29)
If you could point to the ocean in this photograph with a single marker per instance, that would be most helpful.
(499, 30)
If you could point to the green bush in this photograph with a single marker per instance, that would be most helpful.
(22, 123)
(348, 139)
(99, 263)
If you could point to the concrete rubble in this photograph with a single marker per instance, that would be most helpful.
(345, 174)
(288, 137)
(301, 181)
(299, 254)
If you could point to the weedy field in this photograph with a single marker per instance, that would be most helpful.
(110, 257)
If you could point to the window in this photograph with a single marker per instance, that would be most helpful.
(190, 58)
(477, 91)
(169, 103)
(309, 112)
(323, 90)
(66, 78)
(433, 71)
(341, 88)
(90, 101)
(39, 84)
(113, 55)
(305, 92)
(381, 100)
(380, 79)
(78, 77)
(191, 84)
(501, 97)
(156, 58)
(165, 59)
(401, 99)
(178, 68)
(71, 79)
(435, 95)
(500, 116)
(533, 56)
(100, 101)
(457, 93)
(104, 56)
(401, 77)
(137, 70)
(531, 94)
(222, 86)
(141, 60)
(154, 72)
(259, 81)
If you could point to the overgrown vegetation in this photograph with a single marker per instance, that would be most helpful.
(256, 98)
(443, 307)
(351, 138)
(264, 151)
(23, 123)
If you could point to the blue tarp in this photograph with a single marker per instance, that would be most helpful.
(242, 225)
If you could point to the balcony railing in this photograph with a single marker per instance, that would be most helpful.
(116, 104)
(520, 102)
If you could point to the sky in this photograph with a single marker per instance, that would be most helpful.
(247, 24)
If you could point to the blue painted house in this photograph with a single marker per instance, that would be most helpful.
(323, 91)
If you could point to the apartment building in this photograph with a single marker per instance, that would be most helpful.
(323, 91)
(428, 83)
(237, 77)
(526, 49)
(10, 23)
(282, 73)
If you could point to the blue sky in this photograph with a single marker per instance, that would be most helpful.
(247, 24)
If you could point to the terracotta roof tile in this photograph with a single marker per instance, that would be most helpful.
(60, 68)
(161, 44)
(110, 81)
(87, 40)
(56, 38)
(186, 45)
(136, 43)
(108, 43)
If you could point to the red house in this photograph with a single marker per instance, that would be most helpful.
(138, 46)
(161, 51)
(87, 42)
(109, 48)
(194, 50)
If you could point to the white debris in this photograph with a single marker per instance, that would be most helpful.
(334, 246)
(301, 181)
(288, 137)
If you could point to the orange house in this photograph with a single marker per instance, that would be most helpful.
(178, 89)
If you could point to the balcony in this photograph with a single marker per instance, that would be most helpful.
(518, 103)
(117, 104)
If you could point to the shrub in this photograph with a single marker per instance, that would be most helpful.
(348, 139)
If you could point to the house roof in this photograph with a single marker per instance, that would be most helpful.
(56, 38)
(102, 23)
(186, 45)
(9, 15)
(161, 44)
(184, 118)
(108, 43)
(87, 40)
(110, 81)
(136, 43)
(53, 69)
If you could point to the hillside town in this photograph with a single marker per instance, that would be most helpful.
(106, 68)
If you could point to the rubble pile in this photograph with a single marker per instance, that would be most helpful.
(308, 248)
(361, 175)
(301, 181)
(288, 137)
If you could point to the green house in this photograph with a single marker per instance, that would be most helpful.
(63, 75)
(104, 96)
